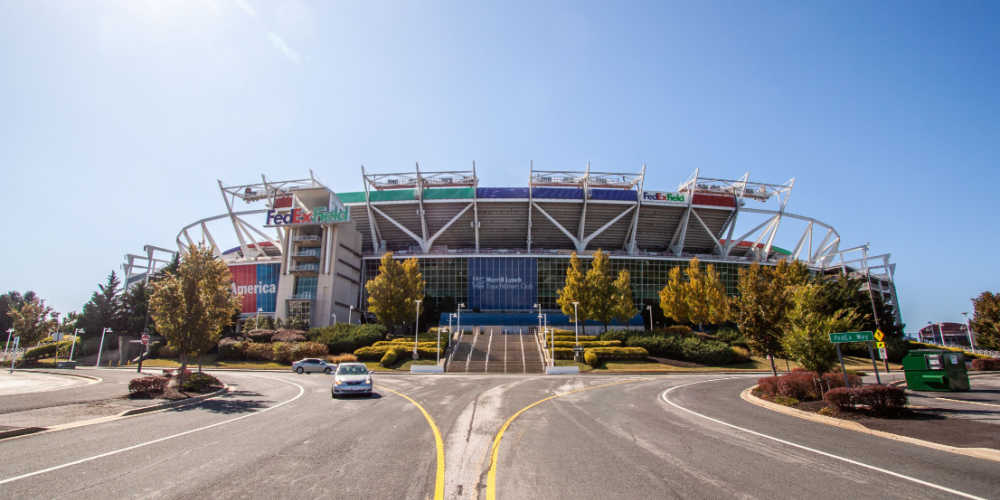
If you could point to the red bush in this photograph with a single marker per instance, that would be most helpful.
(839, 398)
(800, 385)
(768, 385)
(986, 364)
(834, 380)
(148, 386)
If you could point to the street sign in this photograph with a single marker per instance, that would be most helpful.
(879, 336)
(882, 354)
(145, 339)
(844, 337)
(880, 345)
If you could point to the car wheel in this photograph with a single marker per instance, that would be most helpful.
(327, 370)
(299, 370)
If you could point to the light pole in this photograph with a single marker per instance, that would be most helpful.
(650, 309)
(968, 330)
(438, 350)
(576, 330)
(459, 318)
(17, 342)
(350, 313)
(416, 330)
(450, 332)
(539, 307)
(334, 316)
(256, 322)
(100, 348)
(10, 331)
(76, 336)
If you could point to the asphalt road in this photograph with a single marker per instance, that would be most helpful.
(281, 435)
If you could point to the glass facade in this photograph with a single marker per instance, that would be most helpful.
(447, 280)
(305, 287)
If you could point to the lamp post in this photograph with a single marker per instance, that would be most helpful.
(17, 342)
(576, 330)
(256, 322)
(450, 332)
(100, 347)
(539, 307)
(76, 336)
(334, 316)
(10, 331)
(650, 309)
(968, 330)
(350, 313)
(459, 318)
(416, 330)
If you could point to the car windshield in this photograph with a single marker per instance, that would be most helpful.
(352, 370)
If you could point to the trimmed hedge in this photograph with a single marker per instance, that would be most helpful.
(595, 356)
(147, 387)
(589, 343)
(232, 350)
(389, 357)
(375, 353)
(48, 350)
(572, 338)
(407, 343)
(986, 364)
(619, 335)
(879, 399)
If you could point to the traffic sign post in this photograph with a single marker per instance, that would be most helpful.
(846, 337)
(145, 350)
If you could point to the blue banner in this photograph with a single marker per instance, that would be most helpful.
(503, 283)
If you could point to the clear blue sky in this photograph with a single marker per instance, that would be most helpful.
(118, 117)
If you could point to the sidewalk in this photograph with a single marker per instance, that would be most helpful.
(22, 382)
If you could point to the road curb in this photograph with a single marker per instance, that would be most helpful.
(981, 453)
(20, 431)
(53, 371)
(174, 404)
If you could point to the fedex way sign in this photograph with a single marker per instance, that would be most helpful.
(301, 217)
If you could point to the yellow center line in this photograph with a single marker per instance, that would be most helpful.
(491, 478)
(438, 443)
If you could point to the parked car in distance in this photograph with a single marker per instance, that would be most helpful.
(312, 365)
(352, 378)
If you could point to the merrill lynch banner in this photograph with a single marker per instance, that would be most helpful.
(502, 283)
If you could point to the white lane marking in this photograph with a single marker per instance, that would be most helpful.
(663, 396)
(302, 391)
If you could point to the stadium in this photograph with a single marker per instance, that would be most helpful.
(301, 250)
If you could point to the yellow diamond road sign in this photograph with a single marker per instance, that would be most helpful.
(880, 345)
(879, 335)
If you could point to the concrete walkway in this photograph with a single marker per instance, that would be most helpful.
(21, 382)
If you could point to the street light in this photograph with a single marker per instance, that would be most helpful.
(334, 316)
(416, 330)
(350, 313)
(10, 331)
(650, 309)
(100, 348)
(576, 330)
(76, 336)
(459, 318)
(968, 330)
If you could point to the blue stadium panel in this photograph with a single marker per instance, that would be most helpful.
(502, 283)
(557, 193)
(614, 194)
(267, 274)
(501, 192)
(521, 319)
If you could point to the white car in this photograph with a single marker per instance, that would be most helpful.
(312, 365)
(352, 378)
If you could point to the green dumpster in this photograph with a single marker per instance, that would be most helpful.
(935, 370)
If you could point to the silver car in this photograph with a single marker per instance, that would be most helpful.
(312, 365)
(352, 378)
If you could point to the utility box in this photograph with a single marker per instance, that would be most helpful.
(935, 370)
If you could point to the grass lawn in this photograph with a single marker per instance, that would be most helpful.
(853, 363)
(210, 364)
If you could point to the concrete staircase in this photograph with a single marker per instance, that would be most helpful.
(491, 350)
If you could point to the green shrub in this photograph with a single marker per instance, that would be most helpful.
(47, 348)
(389, 358)
(256, 351)
(619, 335)
(200, 382)
(691, 348)
(659, 346)
(308, 350)
(342, 358)
(344, 338)
(604, 354)
(405, 342)
(147, 387)
(572, 338)
(591, 359)
(731, 336)
(232, 350)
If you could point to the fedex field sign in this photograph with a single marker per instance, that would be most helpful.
(301, 217)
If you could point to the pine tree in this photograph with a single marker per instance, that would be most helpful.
(575, 289)
(192, 306)
(392, 295)
(103, 310)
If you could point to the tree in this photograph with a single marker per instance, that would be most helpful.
(808, 328)
(10, 301)
(759, 310)
(192, 306)
(33, 321)
(392, 295)
(697, 297)
(624, 306)
(673, 297)
(986, 320)
(134, 306)
(103, 310)
(575, 289)
(705, 295)
(600, 295)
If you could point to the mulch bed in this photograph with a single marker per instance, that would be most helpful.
(926, 423)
